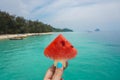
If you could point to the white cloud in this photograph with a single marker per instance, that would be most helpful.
(83, 17)
(20, 7)
(11, 6)
(67, 13)
(97, 11)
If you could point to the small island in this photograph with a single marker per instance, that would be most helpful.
(97, 30)
(67, 30)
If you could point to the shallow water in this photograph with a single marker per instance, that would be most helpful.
(98, 57)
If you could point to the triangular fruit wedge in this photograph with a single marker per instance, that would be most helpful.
(60, 49)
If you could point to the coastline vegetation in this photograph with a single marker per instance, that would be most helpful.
(11, 24)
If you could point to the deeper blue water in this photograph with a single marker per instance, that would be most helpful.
(98, 57)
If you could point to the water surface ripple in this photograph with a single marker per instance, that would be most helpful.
(98, 57)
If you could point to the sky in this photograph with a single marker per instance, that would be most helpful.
(78, 15)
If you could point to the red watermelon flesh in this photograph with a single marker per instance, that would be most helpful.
(60, 48)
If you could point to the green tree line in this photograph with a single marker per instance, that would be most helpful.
(11, 24)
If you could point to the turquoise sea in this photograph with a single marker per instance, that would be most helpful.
(98, 57)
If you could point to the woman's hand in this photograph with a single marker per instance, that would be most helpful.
(54, 73)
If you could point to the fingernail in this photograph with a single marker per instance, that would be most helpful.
(59, 65)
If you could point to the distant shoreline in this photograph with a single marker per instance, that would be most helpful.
(8, 36)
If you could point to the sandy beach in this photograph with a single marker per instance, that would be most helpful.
(7, 36)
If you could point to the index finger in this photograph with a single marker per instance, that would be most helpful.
(58, 72)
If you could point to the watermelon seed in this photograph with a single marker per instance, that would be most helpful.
(71, 46)
(63, 43)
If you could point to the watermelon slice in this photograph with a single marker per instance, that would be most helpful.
(60, 50)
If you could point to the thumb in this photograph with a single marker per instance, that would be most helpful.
(58, 72)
